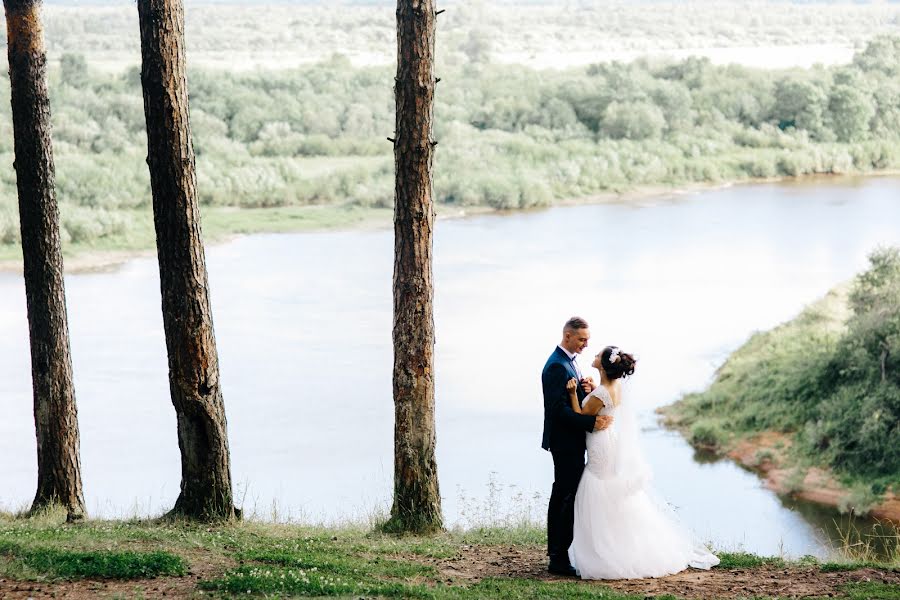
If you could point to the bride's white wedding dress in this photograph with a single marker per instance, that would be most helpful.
(622, 531)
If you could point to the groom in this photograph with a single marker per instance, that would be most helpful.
(564, 437)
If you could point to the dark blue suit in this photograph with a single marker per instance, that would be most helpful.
(564, 437)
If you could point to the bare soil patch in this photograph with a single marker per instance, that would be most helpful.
(479, 562)
(818, 485)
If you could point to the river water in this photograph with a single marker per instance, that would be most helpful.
(303, 324)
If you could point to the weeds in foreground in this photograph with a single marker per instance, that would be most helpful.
(876, 544)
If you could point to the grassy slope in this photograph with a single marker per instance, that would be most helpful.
(763, 397)
(758, 387)
(289, 560)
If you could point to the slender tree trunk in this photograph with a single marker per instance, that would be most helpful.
(55, 414)
(417, 500)
(206, 491)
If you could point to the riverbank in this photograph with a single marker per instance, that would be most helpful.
(766, 454)
(221, 224)
(807, 405)
(44, 558)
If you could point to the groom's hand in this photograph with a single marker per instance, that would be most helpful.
(602, 422)
(588, 385)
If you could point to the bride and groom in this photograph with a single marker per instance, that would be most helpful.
(603, 521)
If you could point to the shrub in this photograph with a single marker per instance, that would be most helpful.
(706, 434)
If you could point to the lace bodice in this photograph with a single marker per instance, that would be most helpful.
(602, 393)
(601, 445)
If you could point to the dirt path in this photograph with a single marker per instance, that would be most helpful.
(479, 562)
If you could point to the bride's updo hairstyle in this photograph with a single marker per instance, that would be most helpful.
(617, 364)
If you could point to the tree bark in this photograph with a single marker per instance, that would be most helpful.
(206, 490)
(417, 500)
(55, 413)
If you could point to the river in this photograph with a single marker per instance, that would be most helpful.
(303, 324)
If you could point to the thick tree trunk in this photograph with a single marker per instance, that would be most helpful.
(55, 414)
(417, 500)
(206, 491)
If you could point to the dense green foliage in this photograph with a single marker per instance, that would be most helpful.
(510, 136)
(831, 377)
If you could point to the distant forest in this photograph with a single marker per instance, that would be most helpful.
(509, 136)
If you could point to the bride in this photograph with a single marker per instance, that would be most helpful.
(621, 530)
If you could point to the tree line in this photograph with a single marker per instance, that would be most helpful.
(194, 379)
(511, 137)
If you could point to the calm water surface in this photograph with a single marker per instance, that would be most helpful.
(303, 324)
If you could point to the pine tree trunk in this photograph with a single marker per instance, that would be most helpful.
(206, 492)
(55, 414)
(417, 500)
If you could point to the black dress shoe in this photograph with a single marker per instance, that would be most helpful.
(560, 568)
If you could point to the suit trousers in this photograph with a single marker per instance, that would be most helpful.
(568, 464)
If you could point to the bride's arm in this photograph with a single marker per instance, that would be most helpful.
(558, 408)
(592, 407)
(572, 387)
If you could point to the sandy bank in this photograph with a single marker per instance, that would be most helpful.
(763, 454)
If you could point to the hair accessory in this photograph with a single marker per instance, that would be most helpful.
(614, 355)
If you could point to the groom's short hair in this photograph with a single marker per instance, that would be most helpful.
(575, 323)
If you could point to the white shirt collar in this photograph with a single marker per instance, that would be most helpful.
(571, 355)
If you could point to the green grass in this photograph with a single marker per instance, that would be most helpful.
(305, 582)
(834, 567)
(277, 560)
(872, 591)
(745, 560)
(95, 564)
(761, 384)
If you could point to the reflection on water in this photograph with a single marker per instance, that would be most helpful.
(827, 527)
(303, 326)
(866, 537)
(703, 456)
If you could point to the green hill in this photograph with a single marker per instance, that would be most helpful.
(830, 379)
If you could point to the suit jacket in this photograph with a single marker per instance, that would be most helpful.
(564, 429)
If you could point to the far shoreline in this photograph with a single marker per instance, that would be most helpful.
(79, 260)
(220, 228)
